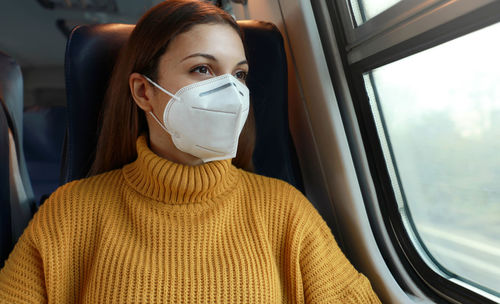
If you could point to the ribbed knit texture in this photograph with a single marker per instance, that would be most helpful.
(160, 232)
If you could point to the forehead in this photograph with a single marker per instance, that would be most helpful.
(218, 40)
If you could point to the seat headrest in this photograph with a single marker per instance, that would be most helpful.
(90, 55)
(91, 52)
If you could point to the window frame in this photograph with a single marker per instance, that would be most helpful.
(425, 23)
(406, 28)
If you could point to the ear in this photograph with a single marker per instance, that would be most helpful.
(141, 91)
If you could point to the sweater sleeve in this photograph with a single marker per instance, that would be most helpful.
(22, 277)
(327, 275)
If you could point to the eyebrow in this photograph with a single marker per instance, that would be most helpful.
(200, 55)
(210, 57)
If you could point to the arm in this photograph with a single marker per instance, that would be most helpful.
(22, 278)
(327, 275)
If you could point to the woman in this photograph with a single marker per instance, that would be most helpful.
(167, 218)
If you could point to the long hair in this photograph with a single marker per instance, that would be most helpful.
(122, 120)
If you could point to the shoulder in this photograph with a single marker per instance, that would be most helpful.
(77, 198)
(271, 187)
(278, 196)
(83, 189)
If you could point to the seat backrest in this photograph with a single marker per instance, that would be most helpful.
(44, 130)
(16, 198)
(90, 56)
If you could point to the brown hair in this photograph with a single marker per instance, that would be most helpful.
(122, 120)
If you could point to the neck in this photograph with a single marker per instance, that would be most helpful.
(175, 183)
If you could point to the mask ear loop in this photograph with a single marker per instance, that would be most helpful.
(158, 121)
(166, 92)
(160, 88)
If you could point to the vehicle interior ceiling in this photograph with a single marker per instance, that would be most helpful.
(35, 36)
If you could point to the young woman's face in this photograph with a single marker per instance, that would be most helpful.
(205, 51)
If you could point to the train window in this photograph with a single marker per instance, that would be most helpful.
(362, 10)
(419, 91)
(438, 115)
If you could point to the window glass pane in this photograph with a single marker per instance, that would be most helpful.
(363, 10)
(439, 114)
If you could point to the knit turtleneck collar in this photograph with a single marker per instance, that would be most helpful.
(174, 183)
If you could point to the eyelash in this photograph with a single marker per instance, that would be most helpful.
(243, 77)
(197, 69)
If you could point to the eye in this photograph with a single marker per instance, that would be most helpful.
(241, 75)
(202, 69)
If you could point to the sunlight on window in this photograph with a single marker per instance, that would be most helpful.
(441, 109)
(364, 10)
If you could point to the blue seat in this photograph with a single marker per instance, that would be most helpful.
(90, 56)
(44, 130)
(16, 195)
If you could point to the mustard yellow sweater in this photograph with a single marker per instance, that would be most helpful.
(159, 232)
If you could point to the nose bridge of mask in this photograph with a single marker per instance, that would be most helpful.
(230, 78)
(226, 90)
(228, 98)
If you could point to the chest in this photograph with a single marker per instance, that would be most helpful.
(220, 263)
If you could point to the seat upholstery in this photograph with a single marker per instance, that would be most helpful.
(5, 220)
(44, 130)
(90, 55)
(16, 196)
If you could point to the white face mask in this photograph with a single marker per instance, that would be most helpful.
(205, 118)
